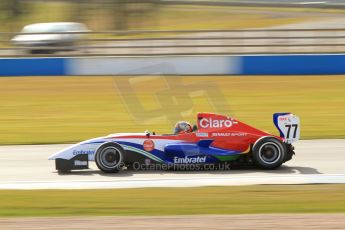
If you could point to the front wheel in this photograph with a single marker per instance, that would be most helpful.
(109, 158)
(269, 153)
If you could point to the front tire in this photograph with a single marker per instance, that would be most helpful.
(269, 153)
(109, 158)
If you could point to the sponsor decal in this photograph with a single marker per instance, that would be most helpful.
(215, 123)
(148, 145)
(82, 151)
(201, 134)
(229, 134)
(80, 163)
(221, 134)
(283, 118)
(238, 134)
(189, 160)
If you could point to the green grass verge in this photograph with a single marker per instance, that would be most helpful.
(175, 201)
(201, 17)
(166, 17)
(37, 110)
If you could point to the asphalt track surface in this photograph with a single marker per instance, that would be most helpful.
(223, 222)
(27, 167)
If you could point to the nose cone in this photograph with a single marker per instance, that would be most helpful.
(88, 147)
(64, 153)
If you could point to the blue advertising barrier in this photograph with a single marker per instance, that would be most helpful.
(293, 64)
(176, 65)
(32, 66)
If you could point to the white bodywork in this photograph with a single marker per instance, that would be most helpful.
(91, 146)
(85, 147)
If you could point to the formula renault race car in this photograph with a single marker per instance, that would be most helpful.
(215, 140)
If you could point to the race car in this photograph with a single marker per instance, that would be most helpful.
(215, 139)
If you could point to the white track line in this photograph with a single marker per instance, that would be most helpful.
(177, 182)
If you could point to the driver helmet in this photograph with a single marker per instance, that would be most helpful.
(182, 127)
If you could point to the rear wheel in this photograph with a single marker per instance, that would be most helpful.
(269, 153)
(109, 158)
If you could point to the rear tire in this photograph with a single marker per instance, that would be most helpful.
(109, 158)
(269, 153)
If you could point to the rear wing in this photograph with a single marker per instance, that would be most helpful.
(288, 125)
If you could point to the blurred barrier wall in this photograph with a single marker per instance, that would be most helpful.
(193, 65)
(32, 66)
(293, 64)
(174, 43)
(176, 65)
